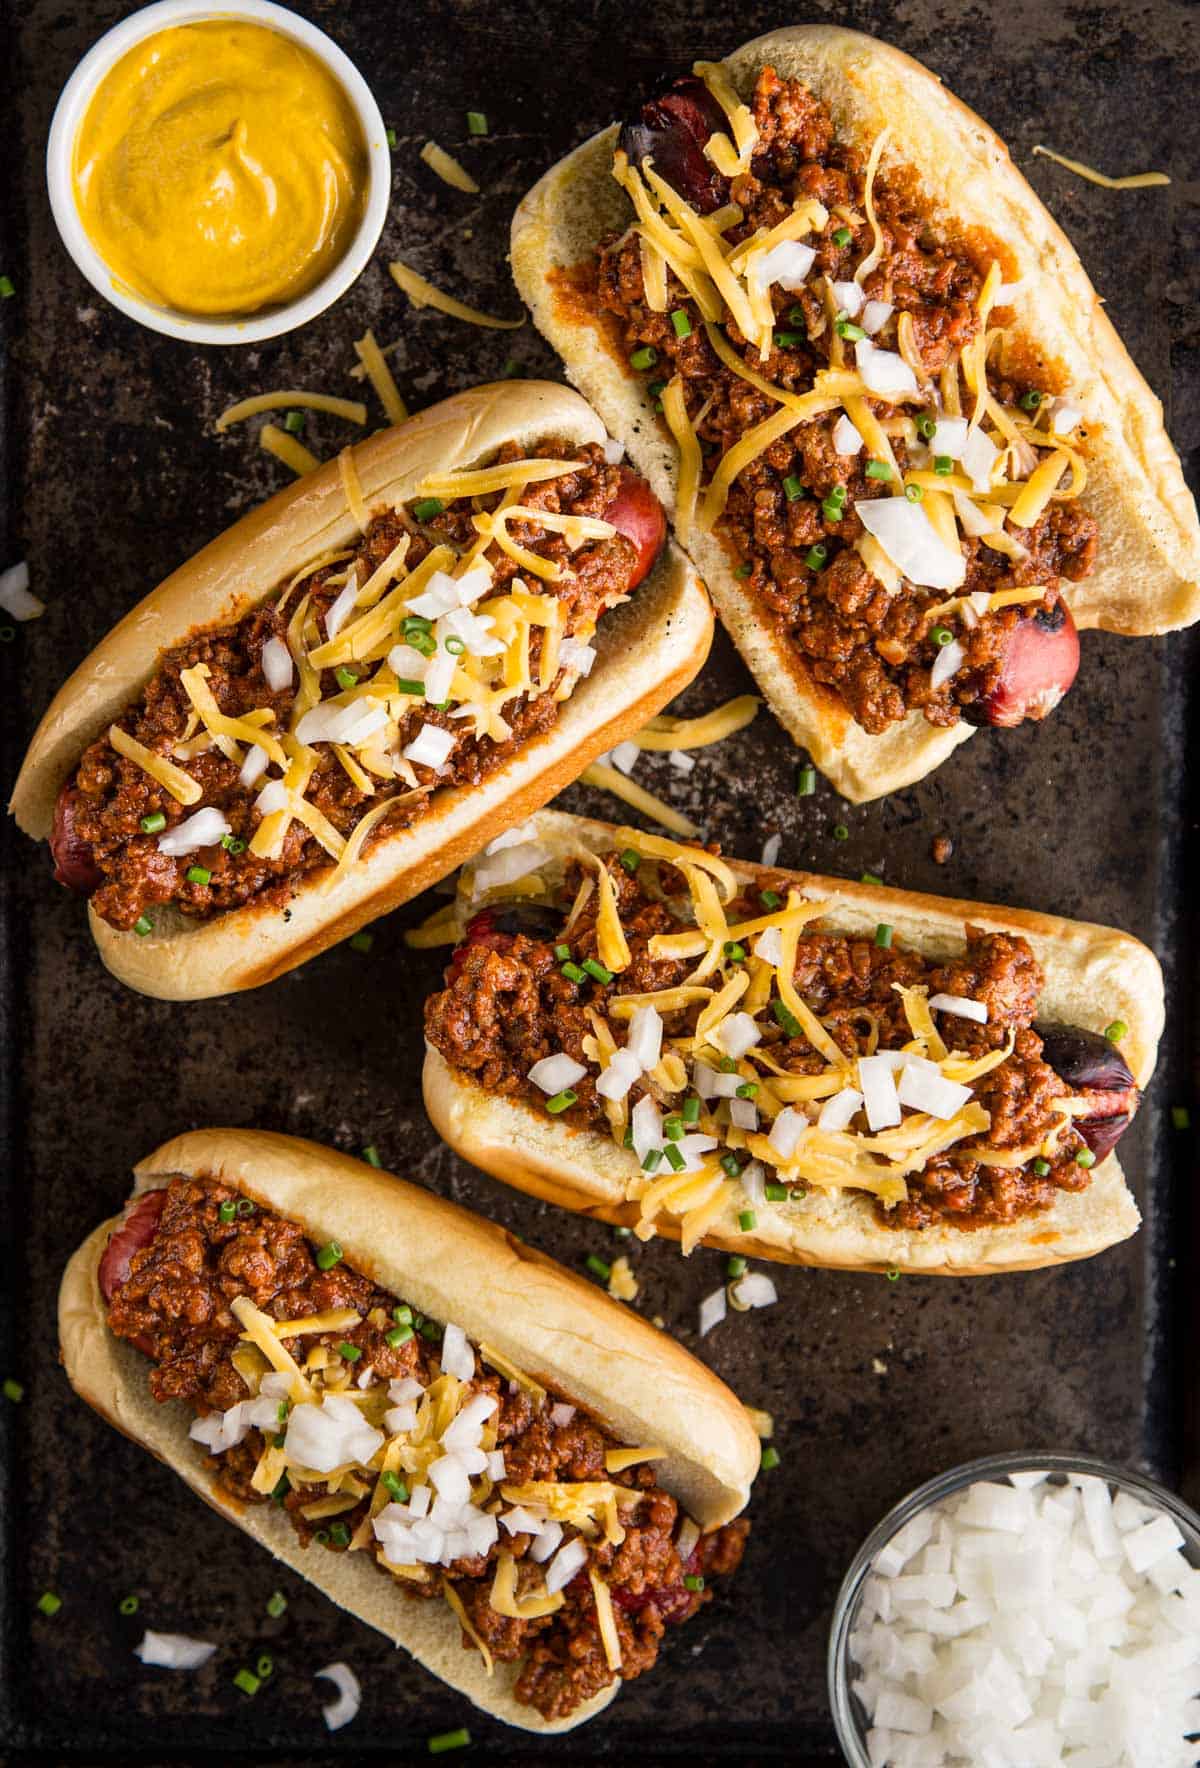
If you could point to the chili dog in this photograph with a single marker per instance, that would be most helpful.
(845, 341)
(788, 1066)
(468, 1448)
(361, 682)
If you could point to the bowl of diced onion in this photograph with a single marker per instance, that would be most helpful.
(1022, 1611)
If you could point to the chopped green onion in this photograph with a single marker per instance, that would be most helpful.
(735, 952)
(395, 1336)
(673, 1128)
(771, 899)
(562, 1101)
(596, 970)
(277, 1602)
(681, 323)
(883, 935)
(1041, 1168)
(1085, 1158)
(231, 844)
(747, 1218)
(926, 425)
(1181, 1117)
(879, 469)
(693, 1582)
(1031, 400)
(455, 646)
(743, 570)
(793, 488)
(631, 860)
(842, 236)
(7, 288)
(371, 1155)
(870, 878)
(841, 832)
(1116, 1031)
(247, 1681)
(245, 1207)
(736, 1266)
(7, 634)
(427, 508)
(406, 684)
(785, 340)
(893, 1276)
(228, 1210)
(361, 942)
(643, 357)
(395, 1485)
(775, 1193)
(653, 1160)
(266, 1663)
(339, 1535)
(280, 1489)
(597, 1267)
(675, 1159)
(941, 635)
(748, 1090)
(293, 423)
(658, 388)
(198, 875)
(281, 1411)
(573, 973)
(833, 511)
(415, 623)
(798, 1193)
(785, 1018)
(128, 1605)
(806, 785)
(49, 1603)
(477, 123)
(797, 316)
(143, 925)
(391, 138)
(769, 1459)
(448, 1740)
(346, 679)
(13, 1390)
(914, 493)
(403, 1315)
(691, 1110)
(321, 1537)
(623, 1233)
(816, 556)
(846, 328)
(838, 493)
(943, 464)
(562, 953)
(512, 369)
(329, 1255)
(727, 1065)
(153, 823)
(729, 1164)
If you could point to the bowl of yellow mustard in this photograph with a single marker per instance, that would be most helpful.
(219, 173)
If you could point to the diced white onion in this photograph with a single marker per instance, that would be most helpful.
(884, 371)
(566, 1563)
(846, 439)
(849, 297)
(441, 593)
(787, 263)
(878, 1086)
(554, 1074)
(923, 1087)
(681, 761)
(510, 838)
(254, 766)
(275, 1385)
(769, 946)
(351, 721)
(545, 1541)
(787, 1130)
(458, 1358)
(329, 1434)
(712, 1311)
(693, 1147)
(875, 316)
(519, 1521)
(646, 1122)
(979, 456)
(496, 1468)
(946, 664)
(910, 540)
(407, 664)
(973, 521)
(754, 1183)
(836, 1113)
(203, 829)
(342, 607)
(949, 437)
(398, 1420)
(173, 1651)
(1064, 417)
(339, 1712)
(770, 851)
(475, 630)
(961, 1006)
(438, 677)
(626, 756)
(743, 1113)
(430, 747)
(622, 1071)
(614, 451)
(644, 1042)
(756, 1290)
(506, 867)
(449, 1478)
(16, 597)
(476, 582)
(219, 1431)
(575, 656)
(277, 666)
(561, 1412)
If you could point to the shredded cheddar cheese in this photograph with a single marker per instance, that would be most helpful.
(423, 294)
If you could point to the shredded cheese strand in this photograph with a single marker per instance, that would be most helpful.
(286, 448)
(1131, 181)
(423, 294)
(353, 410)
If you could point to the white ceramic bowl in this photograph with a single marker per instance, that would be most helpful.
(69, 113)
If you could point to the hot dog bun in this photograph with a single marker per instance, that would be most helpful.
(1093, 974)
(452, 1265)
(1148, 576)
(648, 650)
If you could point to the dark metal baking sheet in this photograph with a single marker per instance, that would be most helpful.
(114, 475)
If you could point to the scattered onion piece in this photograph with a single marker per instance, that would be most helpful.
(349, 1695)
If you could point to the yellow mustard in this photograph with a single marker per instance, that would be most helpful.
(220, 168)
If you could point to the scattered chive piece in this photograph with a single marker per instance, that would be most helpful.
(652, 1161)
(395, 1336)
(232, 844)
(329, 1255)
(1031, 400)
(427, 508)
(293, 423)
(1181, 1119)
(573, 973)
(941, 635)
(49, 1603)
(281, 1411)
(693, 1582)
(321, 1537)
(396, 1486)
(806, 785)
(431, 1330)
(943, 464)
(562, 953)
(227, 1210)
(735, 952)
(391, 138)
(727, 1065)
(771, 899)
(842, 236)
(691, 1110)
(598, 1267)
(403, 1315)
(7, 288)
(926, 425)
(246, 1680)
(658, 388)
(339, 1535)
(596, 970)
(681, 323)
(798, 1193)
(448, 1740)
(743, 570)
(153, 823)
(512, 369)
(730, 1165)
(561, 1101)
(1085, 1158)
(838, 494)
(747, 1219)
(841, 832)
(346, 678)
(879, 469)
(477, 123)
(673, 1128)
(914, 493)
(870, 878)
(627, 1138)
(415, 623)
(1041, 1168)
(793, 488)
(361, 942)
(675, 1159)
(643, 357)
(371, 1155)
(631, 860)
(893, 1276)
(797, 316)
(143, 925)
(784, 340)
(883, 935)
(623, 1233)
(769, 1459)
(280, 1489)
(265, 1666)
(832, 510)
(736, 1266)
(846, 328)
(775, 1193)
(455, 647)
(1116, 1031)
(748, 1090)
(245, 1207)
(198, 875)
(277, 1602)
(128, 1605)
(786, 1019)
(16, 1393)
(816, 556)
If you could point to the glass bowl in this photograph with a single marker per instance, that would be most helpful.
(849, 1719)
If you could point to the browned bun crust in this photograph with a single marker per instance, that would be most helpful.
(1148, 578)
(1093, 975)
(452, 1265)
(648, 649)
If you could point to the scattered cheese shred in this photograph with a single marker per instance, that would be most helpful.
(605, 1620)
(484, 480)
(182, 787)
(286, 448)
(611, 779)
(1131, 181)
(373, 365)
(423, 294)
(667, 733)
(353, 410)
(259, 1328)
(464, 1621)
(448, 168)
(617, 1460)
(675, 411)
